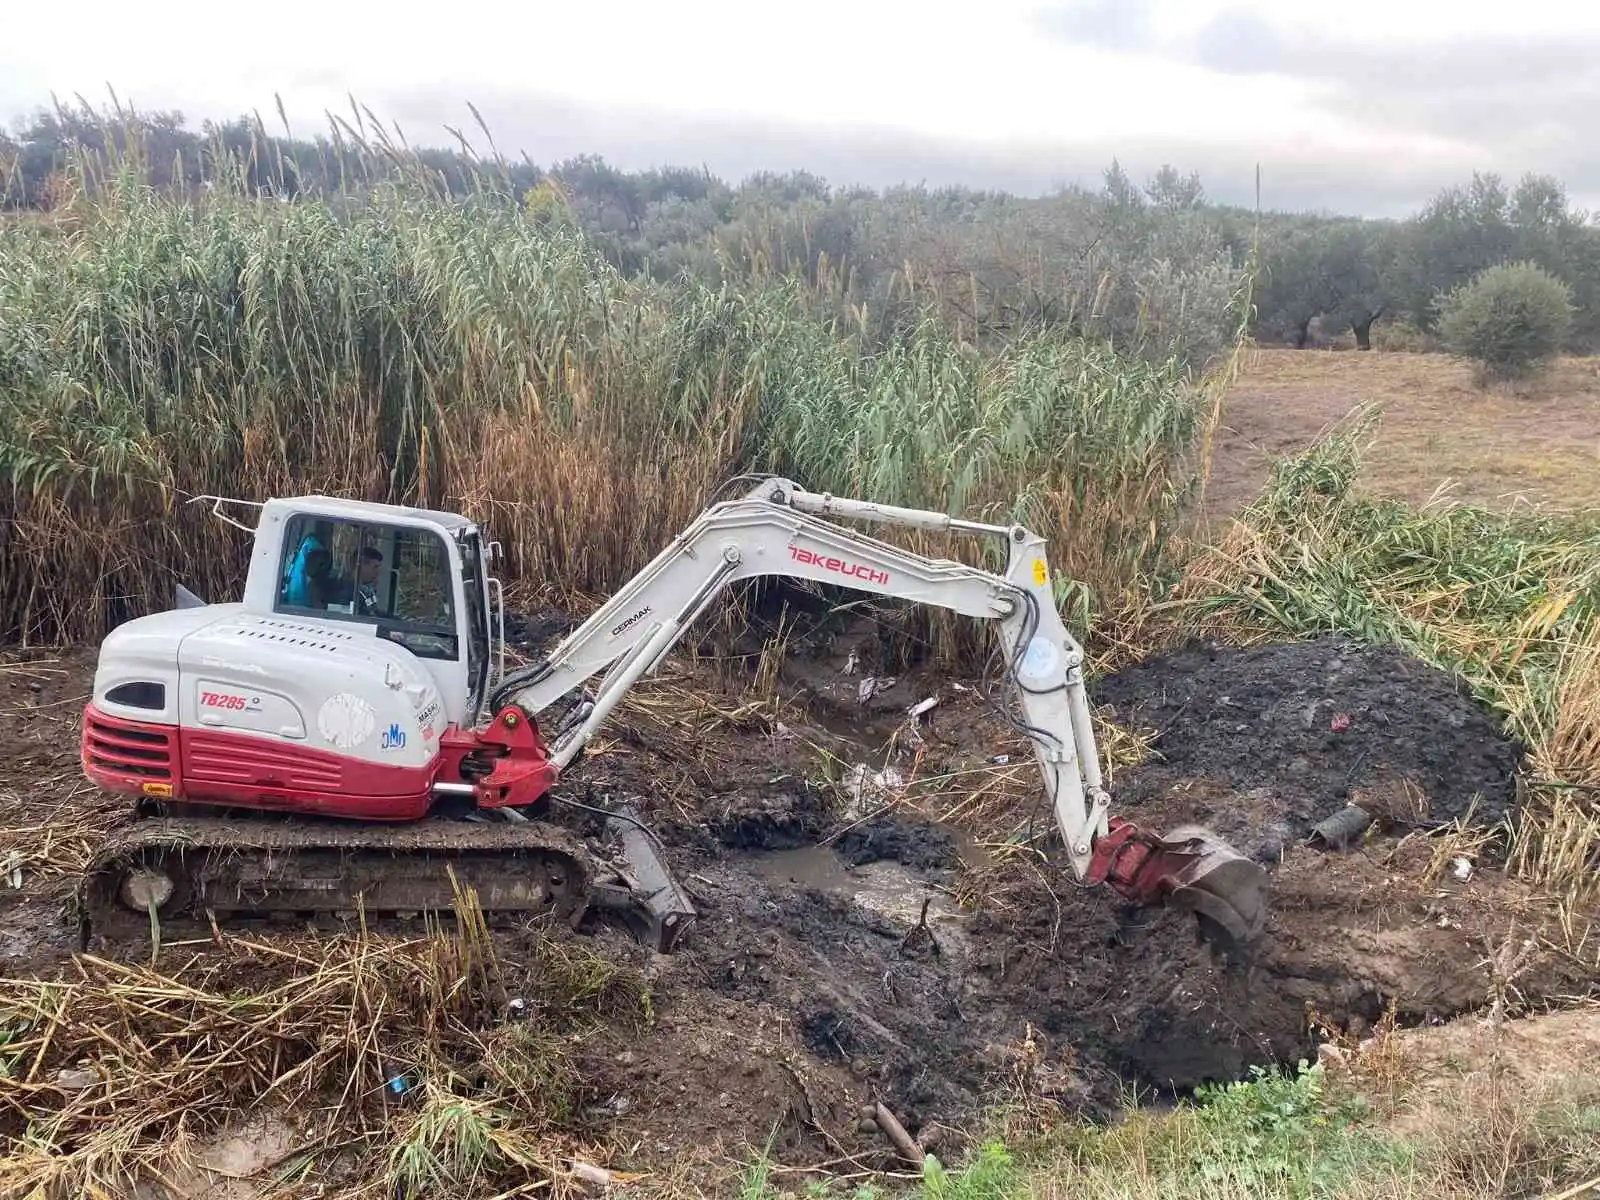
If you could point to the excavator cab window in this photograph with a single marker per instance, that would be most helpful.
(398, 577)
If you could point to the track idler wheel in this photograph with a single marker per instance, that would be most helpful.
(146, 888)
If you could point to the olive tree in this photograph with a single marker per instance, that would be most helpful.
(1510, 319)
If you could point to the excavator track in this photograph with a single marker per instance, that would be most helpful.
(195, 869)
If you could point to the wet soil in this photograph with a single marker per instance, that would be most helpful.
(1306, 728)
(851, 949)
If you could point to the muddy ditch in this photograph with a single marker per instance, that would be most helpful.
(832, 965)
(837, 932)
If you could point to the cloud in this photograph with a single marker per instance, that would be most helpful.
(1020, 95)
(1109, 24)
(1528, 98)
(1487, 98)
(1296, 174)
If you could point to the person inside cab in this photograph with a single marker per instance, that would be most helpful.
(310, 575)
(357, 596)
(365, 596)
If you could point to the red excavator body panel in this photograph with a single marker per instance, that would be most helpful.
(240, 770)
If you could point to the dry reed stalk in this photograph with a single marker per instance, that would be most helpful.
(1556, 845)
(1570, 748)
(119, 1071)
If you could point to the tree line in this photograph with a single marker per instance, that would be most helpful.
(1153, 266)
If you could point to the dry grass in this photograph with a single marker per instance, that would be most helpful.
(1497, 447)
(1469, 1110)
(60, 845)
(1507, 601)
(121, 1073)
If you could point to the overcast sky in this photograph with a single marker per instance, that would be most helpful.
(1361, 105)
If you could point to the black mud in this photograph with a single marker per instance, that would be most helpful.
(1306, 727)
(536, 633)
(889, 838)
(929, 1018)
(873, 969)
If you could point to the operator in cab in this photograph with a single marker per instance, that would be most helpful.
(312, 582)
(365, 597)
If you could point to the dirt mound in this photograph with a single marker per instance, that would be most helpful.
(1297, 730)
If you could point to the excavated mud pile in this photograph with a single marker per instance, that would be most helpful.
(832, 967)
(1296, 731)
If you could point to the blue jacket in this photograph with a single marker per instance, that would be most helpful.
(299, 583)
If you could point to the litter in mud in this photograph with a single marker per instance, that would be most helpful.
(902, 944)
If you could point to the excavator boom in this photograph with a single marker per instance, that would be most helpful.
(779, 529)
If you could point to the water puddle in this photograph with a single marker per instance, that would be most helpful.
(885, 888)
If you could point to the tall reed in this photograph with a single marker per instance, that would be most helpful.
(476, 353)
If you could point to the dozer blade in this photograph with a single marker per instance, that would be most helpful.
(646, 896)
(1215, 881)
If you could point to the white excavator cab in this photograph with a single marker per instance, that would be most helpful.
(415, 577)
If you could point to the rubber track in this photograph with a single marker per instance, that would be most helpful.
(212, 840)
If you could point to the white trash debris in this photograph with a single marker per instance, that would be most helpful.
(862, 782)
(1461, 868)
(75, 1079)
(872, 685)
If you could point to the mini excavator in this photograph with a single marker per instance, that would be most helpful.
(342, 742)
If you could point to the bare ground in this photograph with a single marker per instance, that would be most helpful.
(811, 985)
(1496, 446)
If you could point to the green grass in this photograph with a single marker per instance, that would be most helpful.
(1280, 1135)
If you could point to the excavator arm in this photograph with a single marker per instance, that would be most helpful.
(779, 529)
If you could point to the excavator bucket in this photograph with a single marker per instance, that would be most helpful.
(1227, 891)
(1189, 867)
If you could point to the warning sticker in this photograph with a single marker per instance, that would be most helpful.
(1040, 575)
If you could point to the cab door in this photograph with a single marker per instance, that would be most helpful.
(401, 579)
